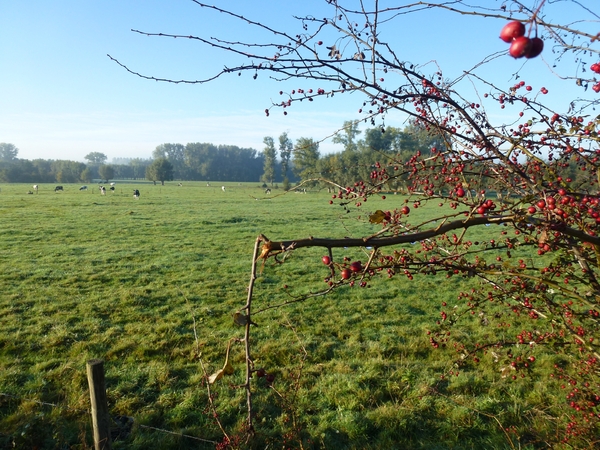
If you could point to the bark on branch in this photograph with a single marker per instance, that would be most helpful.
(271, 247)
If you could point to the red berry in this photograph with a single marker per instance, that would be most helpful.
(595, 67)
(532, 210)
(326, 260)
(460, 192)
(541, 204)
(270, 377)
(537, 45)
(512, 30)
(405, 210)
(356, 266)
(346, 274)
(260, 373)
(481, 210)
(520, 47)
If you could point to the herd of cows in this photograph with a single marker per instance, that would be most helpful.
(60, 188)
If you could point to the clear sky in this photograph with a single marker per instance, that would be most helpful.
(61, 97)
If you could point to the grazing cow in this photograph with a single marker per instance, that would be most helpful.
(112, 188)
(136, 194)
(102, 190)
(112, 184)
(208, 184)
(180, 184)
(223, 188)
(267, 191)
(29, 192)
(83, 188)
(58, 188)
(35, 187)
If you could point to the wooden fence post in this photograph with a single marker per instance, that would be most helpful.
(100, 416)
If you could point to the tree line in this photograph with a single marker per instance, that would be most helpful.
(281, 161)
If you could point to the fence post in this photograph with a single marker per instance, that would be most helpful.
(100, 416)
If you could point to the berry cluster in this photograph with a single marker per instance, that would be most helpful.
(513, 33)
(261, 373)
(596, 68)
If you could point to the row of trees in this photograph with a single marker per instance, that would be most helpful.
(205, 162)
(18, 170)
(357, 160)
(280, 161)
(170, 161)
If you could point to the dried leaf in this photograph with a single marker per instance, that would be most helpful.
(216, 376)
(227, 368)
(241, 319)
(377, 217)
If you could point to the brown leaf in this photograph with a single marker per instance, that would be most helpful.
(377, 217)
(241, 319)
(216, 376)
(227, 368)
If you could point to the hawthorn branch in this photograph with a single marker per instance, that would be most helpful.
(249, 362)
(270, 247)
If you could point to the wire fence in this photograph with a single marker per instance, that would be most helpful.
(116, 419)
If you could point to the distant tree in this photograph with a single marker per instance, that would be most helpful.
(42, 169)
(347, 137)
(160, 170)
(106, 172)
(9, 173)
(67, 171)
(8, 152)
(139, 166)
(306, 157)
(270, 154)
(87, 175)
(285, 153)
(95, 158)
(175, 154)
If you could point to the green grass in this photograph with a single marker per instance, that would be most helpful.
(87, 276)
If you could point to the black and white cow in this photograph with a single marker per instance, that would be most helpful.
(58, 188)
(35, 187)
(136, 194)
(102, 190)
(83, 188)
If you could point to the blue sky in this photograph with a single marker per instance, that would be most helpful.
(61, 97)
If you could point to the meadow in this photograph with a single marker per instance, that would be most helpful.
(150, 286)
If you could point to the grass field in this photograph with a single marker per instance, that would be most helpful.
(134, 282)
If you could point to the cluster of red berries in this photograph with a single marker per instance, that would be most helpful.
(596, 68)
(354, 267)
(513, 33)
(485, 206)
(261, 373)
